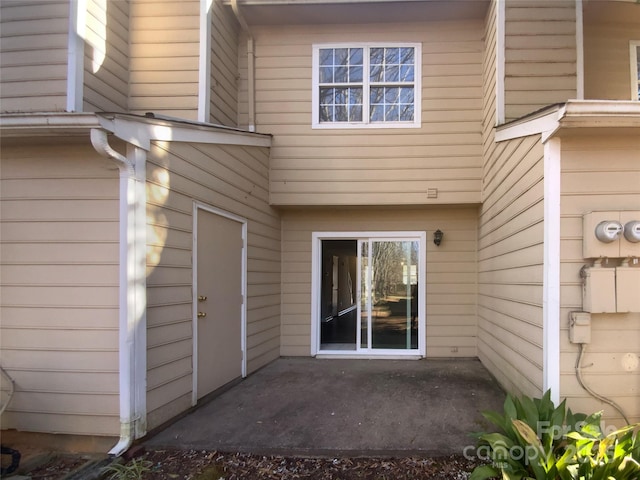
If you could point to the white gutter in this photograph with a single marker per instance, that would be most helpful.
(132, 317)
(251, 59)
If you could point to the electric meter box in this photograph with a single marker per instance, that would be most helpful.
(629, 248)
(603, 234)
(627, 289)
(599, 290)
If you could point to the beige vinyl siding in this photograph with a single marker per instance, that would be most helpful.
(540, 55)
(371, 166)
(33, 56)
(59, 273)
(234, 179)
(224, 66)
(106, 61)
(608, 28)
(510, 260)
(451, 271)
(164, 54)
(598, 173)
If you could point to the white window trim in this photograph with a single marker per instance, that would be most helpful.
(316, 269)
(315, 110)
(634, 45)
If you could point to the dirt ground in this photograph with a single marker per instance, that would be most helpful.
(211, 465)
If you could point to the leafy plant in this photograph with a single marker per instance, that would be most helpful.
(537, 440)
(133, 470)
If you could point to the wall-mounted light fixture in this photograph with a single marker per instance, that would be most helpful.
(437, 237)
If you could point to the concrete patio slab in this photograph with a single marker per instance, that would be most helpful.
(306, 406)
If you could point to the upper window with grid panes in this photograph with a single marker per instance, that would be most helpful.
(359, 85)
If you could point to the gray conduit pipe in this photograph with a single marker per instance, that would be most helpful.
(591, 392)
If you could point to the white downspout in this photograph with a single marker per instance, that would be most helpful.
(251, 59)
(132, 318)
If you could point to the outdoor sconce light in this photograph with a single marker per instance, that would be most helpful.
(437, 237)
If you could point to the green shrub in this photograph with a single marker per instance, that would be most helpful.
(537, 440)
(133, 470)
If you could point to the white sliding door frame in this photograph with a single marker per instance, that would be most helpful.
(316, 282)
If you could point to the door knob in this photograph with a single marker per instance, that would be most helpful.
(201, 314)
(202, 298)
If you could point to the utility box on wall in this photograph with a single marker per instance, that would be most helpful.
(627, 289)
(599, 290)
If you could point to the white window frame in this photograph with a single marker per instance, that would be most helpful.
(315, 110)
(634, 46)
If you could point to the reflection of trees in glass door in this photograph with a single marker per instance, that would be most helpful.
(389, 294)
(369, 294)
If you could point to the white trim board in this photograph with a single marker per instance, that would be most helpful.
(204, 61)
(634, 46)
(500, 61)
(551, 270)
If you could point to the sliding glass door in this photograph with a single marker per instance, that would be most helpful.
(389, 294)
(370, 300)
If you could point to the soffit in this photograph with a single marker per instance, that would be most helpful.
(283, 12)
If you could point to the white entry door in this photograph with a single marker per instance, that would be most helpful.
(218, 301)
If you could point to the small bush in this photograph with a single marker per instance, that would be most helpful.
(132, 470)
(537, 440)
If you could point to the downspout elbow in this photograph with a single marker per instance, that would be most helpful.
(100, 143)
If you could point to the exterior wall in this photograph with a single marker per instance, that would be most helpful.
(224, 66)
(540, 55)
(598, 173)
(451, 272)
(33, 56)
(371, 166)
(164, 53)
(106, 62)
(608, 28)
(231, 178)
(510, 264)
(59, 270)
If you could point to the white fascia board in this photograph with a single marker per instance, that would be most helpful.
(590, 111)
(528, 126)
(47, 124)
(312, 2)
(138, 131)
(574, 114)
(142, 131)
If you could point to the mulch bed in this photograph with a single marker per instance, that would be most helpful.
(211, 465)
(175, 464)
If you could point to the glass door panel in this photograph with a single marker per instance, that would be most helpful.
(389, 294)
